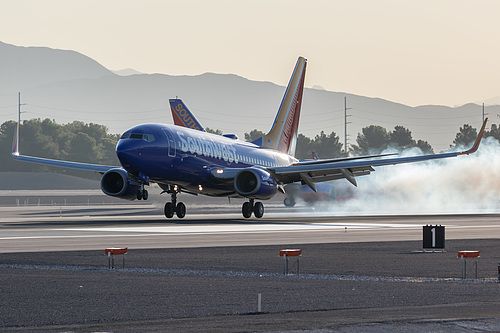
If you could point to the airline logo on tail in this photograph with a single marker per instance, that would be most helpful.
(283, 134)
(182, 116)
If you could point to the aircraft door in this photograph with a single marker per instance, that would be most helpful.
(170, 141)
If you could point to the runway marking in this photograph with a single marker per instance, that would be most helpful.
(195, 229)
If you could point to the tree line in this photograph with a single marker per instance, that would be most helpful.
(374, 140)
(91, 143)
(76, 141)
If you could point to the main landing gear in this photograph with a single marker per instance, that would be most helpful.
(249, 207)
(142, 193)
(289, 202)
(173, 207)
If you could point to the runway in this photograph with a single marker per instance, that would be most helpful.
(203, 273)
(86, 228)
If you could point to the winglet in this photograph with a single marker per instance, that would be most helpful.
(15, 141)
(478, 140)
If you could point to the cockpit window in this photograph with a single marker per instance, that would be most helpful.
(140, 136)
(136, 136)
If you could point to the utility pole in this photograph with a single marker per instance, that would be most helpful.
(345, 125)
(18, 117)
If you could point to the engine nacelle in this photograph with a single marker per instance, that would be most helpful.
(255, 183)
(116, 183)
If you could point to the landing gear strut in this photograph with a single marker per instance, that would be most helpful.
(173, 207)
(250, 207)
(142, 193)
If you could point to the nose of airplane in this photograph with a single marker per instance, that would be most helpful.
(126, 153)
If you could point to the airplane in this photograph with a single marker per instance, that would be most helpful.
(182, 116)
(187, 160)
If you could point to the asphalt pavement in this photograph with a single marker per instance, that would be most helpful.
(346, 287)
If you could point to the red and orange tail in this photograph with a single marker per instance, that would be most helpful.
(182, 116)
(283, 134)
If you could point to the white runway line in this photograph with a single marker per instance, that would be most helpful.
(194, 229)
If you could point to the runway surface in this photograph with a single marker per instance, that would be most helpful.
(83, 228)
(203, 273)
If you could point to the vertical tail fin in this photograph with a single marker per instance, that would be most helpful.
(283, 134)
(182, 116)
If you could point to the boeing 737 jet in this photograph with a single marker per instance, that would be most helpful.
(188, 160)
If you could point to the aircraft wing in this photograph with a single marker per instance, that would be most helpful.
(316, 160)
(57, 163)
(319, 171)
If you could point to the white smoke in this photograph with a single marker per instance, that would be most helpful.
(462, 184)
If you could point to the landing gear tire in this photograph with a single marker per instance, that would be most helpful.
(258, 210)
(246, 209)
(288, 202)
(169, 210)
(142, 194)
(180, 210)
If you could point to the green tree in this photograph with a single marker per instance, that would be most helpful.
(425, 147)
(494, 132)
(107, 149)
(253, 135)
(217, 131)
(303, 149)
(401, 138)
(75, 141)
(373, 140)
(83, 148)
(465, 137)
(327, 146)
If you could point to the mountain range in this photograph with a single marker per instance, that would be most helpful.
(65, 85)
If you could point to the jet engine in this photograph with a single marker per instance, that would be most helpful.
(116, 183)
(255, 183)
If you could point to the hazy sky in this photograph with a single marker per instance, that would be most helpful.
(412, 52)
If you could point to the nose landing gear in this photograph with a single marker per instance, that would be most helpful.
(174, 207)
(250, 207)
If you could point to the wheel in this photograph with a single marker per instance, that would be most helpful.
(139, 195)
(145, 195)
(246, 209)
(180, 210)
(289, 202)
(169, 210)
(258, 210)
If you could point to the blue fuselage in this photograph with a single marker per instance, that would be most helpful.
(173, 155)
